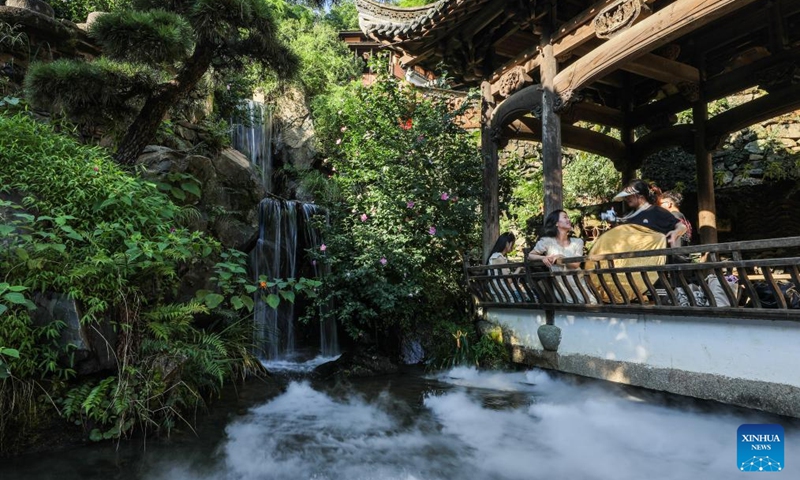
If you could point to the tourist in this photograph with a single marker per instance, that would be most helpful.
(503, 245)
(640, 199)
(671, 201)
(506, 288)
(556, 243)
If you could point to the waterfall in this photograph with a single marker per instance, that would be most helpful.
(252, 135)
(281, 253)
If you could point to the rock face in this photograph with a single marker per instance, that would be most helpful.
(230, 190)
(37, 6)
(296, 135)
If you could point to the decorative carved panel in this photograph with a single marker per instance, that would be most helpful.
(513, 80)
(615, 17)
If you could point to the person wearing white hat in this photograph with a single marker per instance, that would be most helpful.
(639, 199)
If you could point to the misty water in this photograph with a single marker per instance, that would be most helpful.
(460, 424)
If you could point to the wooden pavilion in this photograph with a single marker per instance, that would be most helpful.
(546, 67)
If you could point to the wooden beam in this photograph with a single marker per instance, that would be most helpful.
(662, 69)
(758, 110)
(660, 28)
(715, 88)
(653, 66)
(675, 136)
(585, 140)
(777, 103)
(594, 113)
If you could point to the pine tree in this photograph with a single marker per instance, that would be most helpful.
(154, 54)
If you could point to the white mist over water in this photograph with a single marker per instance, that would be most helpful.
(479, 426)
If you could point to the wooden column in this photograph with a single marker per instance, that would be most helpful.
(706, 205)
(491, 187)
(627, 134)
(551, 127)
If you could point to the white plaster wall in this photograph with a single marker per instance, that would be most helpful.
(765, 350)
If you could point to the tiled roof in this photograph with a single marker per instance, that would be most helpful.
(389, 22)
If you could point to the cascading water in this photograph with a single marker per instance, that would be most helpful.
(252, 135)
(275, 256)
(280, 253)
(279, 248)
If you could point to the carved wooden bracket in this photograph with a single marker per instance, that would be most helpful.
(779, 75)
(615, 17)
(513, 80)
(690, 91)
(660, 121)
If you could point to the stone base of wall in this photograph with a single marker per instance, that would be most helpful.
(775, 398)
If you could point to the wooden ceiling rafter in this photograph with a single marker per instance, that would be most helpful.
(671, 22)
(715, 88)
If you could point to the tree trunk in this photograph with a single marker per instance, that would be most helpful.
(142, 131)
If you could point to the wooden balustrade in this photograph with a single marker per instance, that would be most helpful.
(752, 279)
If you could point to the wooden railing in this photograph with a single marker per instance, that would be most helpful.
(744, 279)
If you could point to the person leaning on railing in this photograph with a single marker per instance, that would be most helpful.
(505, 287)
(556, 243)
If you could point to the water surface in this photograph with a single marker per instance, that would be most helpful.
(462, 424)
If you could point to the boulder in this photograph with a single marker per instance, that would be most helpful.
(362, 361)
(37, 6)
(92, 346)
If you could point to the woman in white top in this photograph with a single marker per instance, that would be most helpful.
(503, 289)
(556, 243)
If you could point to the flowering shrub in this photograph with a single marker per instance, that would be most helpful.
(409, 183)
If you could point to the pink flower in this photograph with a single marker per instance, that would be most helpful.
(445, 196)
(343, 129)
(96, 169)
(410, 204)
(338, 141)
(432, 230)
(364, 217)
(172, 230)
(323, 247)
(384, 261)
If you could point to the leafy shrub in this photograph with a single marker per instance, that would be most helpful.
(407, 210)
(75, 223)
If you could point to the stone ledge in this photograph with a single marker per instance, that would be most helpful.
(775, 398)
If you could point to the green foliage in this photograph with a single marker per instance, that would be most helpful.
(78, 10)
(343, 16)
(235, 290)
(5, 354)
(112, 243)
(156, 37)
(325, 60)
(107, 93)
(587, 180)
(460, 349)
(408, 210)
(155, 54)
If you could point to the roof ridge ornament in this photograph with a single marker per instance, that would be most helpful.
(616, 17)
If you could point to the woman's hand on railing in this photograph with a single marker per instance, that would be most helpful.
(548, 260)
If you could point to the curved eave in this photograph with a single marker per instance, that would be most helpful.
(384, 22)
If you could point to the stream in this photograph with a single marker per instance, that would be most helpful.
(460, 424)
